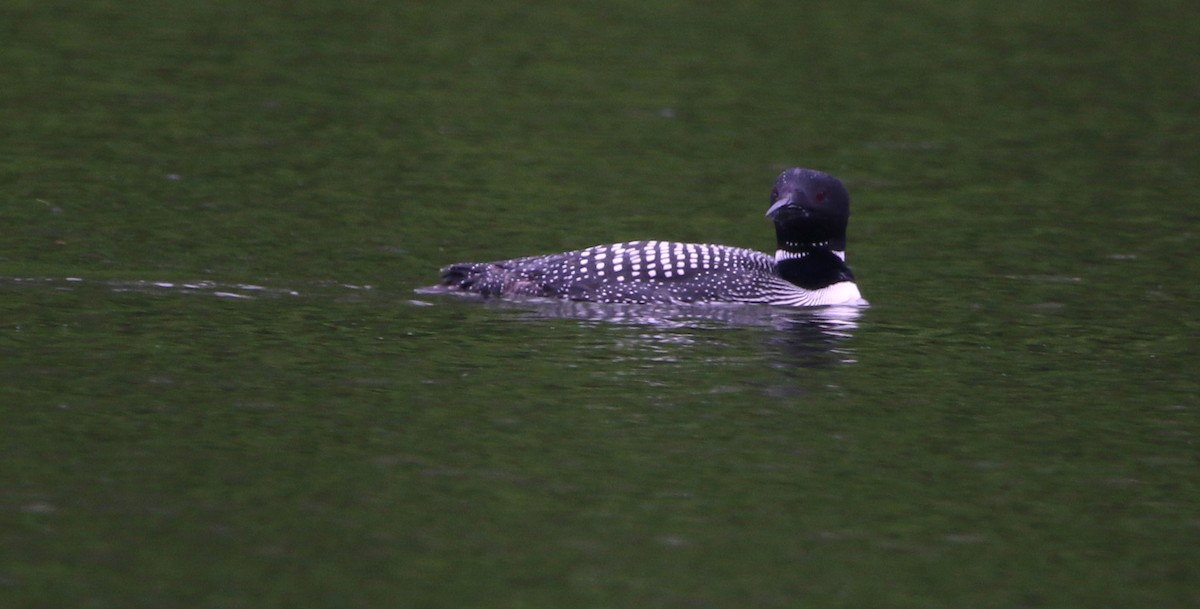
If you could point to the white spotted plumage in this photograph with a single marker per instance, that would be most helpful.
(679, 273)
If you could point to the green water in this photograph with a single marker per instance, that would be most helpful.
(219, 388)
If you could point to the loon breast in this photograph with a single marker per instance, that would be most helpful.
(809, 209)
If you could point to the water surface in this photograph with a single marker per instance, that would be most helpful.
(220, 388)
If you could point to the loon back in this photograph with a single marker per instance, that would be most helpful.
(810, 210)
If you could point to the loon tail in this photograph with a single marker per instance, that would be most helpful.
(493, 279)
(466, 276)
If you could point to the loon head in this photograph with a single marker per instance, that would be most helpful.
(810, 209)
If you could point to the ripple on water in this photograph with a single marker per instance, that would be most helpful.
(230, 290)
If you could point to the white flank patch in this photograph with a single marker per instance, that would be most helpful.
(844, 293)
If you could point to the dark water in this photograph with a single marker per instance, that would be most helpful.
(219, 388)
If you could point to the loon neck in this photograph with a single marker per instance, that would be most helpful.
(814, 268)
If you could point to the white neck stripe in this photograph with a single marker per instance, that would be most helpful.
(781, 255)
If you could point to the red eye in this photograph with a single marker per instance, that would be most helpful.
(820, 196)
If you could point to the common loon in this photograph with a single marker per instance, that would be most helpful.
(810, 210)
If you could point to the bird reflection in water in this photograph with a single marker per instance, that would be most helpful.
(810, 336)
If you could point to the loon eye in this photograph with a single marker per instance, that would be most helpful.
(820, 196)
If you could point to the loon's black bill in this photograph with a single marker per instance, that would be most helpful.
(778, 205)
